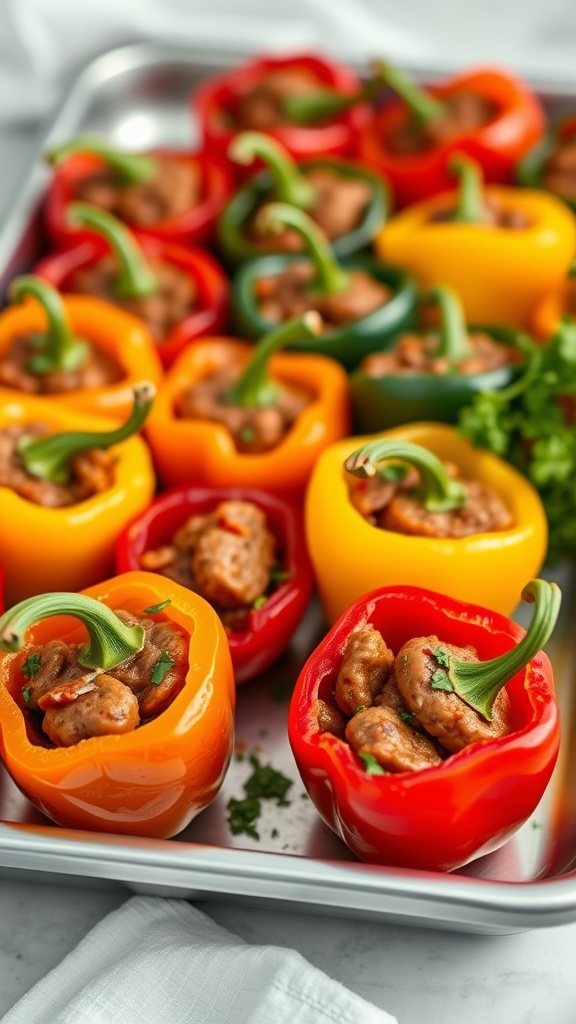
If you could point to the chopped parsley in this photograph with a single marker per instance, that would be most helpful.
(161, 668)
(440, 681)
(241, 816)
(442, 656)
(361, 707)
(259, 602)
(31, 665)
(26, 694)
(404, 659)
(371, 765)
(247, 434)
(157, 607)
(280, 575)
(274, 833)
(407, 716)
(265, 783)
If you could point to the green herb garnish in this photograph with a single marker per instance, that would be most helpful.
(280, 575)
(26, 694)
(404, 659)
(31, 665)
(440, 681)
(247, 434)
(371, 765)
(442, 656)
(157, 607)
(265, 783)
(361, 707)
(241, 816)
(407, 716)
(161, 668)
(259, 602)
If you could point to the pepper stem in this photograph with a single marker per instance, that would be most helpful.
(326, 104)
(59, 350)
(479, 683)
(290, 185)
(454, 343)
(254, 388)
(329, 278)
(470, 207)
(134, 278)
(50, 458)
(421, 104)
(438, 491)
(110, 641)
(129, 168)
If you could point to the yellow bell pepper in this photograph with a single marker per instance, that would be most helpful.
(352, 557)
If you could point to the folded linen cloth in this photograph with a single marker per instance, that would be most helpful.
(163, 960)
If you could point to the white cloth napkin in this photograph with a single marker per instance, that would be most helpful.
(159, 960)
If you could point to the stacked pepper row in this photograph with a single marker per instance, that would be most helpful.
(230, 428)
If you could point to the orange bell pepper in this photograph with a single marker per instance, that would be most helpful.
(68, 327)
(558, 303)
(351, 557)
(499, 272)
(148, 782)
(195, 451)
(70, 547)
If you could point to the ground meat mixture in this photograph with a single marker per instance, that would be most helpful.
(79, 703)
(464, 113)
(254, 429)
(261, 106)
(226, 556)
(394, 505)
(173, 302)
(92, 471)
(416, 353)
(560, 168)
(338, 208)
(403, 721)
(98, 371)
(175, 188)
(287, 295)
(494, 215)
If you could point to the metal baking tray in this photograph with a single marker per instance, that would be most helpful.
(138, 97)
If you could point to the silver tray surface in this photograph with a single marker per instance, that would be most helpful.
(138, 97)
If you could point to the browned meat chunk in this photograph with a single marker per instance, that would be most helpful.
(366, 665)
(465, 111)
(98, 371)
(57, 664)
(380, 731)
(260, 107)
(372, 495)
(494, 214)
(165, 648)
(286, 295)
(413, 353)
(560, 168)
(330, 718)
(175, 189)
(484, 512)
(95, 705)
(442, 712)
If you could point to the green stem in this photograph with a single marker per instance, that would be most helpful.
(327, 104)
(59, 350)
(479, 683)
(110, 641)
(129, 169)
(289, 184)
(134, 278)
(329, 278)
(254, 388)
(470, 208)
(50, 458)
(421, 104)
(454, 343)
(438, 491)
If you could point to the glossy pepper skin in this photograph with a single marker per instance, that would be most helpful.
(211, 312)
(195, 227)
(271, 626)
(440, 818)
(488, 568)
(154, 780)
(213, 103)
(44, 549)
(197, 452)
(531, 169)
(496, 146)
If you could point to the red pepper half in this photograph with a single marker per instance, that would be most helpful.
(215, 100)
(271, 624)
(442, 817)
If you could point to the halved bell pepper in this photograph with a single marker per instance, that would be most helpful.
(136, 280)
(440, 818)
(347, 343)
(548, 167)
(499, 272)
(148, 782)
(70, 547)
(272, 622)
(80, 159)
(65, 331)
(379, 402)
(486, 567)
(286, 181)
(197, 451)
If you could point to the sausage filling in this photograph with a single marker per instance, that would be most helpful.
(285, 295)
(560, 169)
(416, 353)
(465, 112)
(77, 703)
(260, 106)
(92, 471)
(99, 371)
(495, 215)
(175, 188)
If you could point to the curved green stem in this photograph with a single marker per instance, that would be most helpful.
(454, 343)
(327, 104)
(289, 184)
(421, 104)
(438, 491)
(129, 168)
(49, 458)
(470, 208)
(58, 349)
(329, 278)
(110, 641)
(254, 388)
(134, 278)
(479, 683)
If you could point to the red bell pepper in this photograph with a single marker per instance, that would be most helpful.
(132, 249)
(444, 816)
(497, 145)
(74, 164)
(215, 102)
(271, 624)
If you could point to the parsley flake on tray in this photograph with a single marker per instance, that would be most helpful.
(265, 783)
